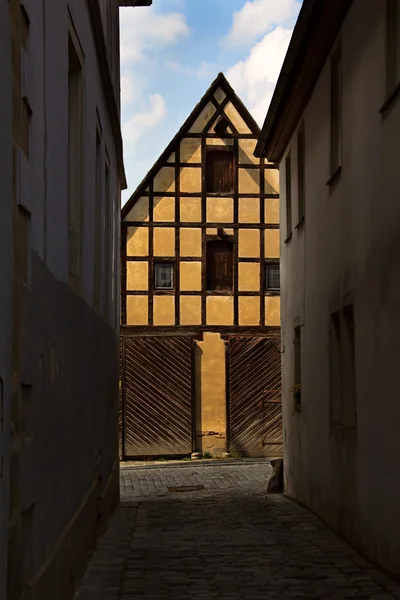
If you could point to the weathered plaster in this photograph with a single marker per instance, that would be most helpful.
(164, 241)
(203, 118)
(164, 310)
(137, 310)
(249, 181)
(137, 276)
(246, 152)
(190, 210)
(271, 210)
(190, 276)
(190, 179)
(249, 277)
(219, 310)
(137, 241)
(220, 210)
(271, 243)
(190, 310)
(272, 311)
(249, 210)
(249, 243)
(164, 181)
(236, 119)
(190, 241)
(164, 209)
(190, 150)
(249, 310)
(139, 211)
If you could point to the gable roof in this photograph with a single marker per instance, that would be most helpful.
(315, 32)
(219, 82)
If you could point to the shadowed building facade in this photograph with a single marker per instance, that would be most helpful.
(200, 350)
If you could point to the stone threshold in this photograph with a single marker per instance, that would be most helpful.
(202, 462)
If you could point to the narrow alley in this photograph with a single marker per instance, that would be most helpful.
(209, 531)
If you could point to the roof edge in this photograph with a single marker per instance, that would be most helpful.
(220, 80)
(317, 27)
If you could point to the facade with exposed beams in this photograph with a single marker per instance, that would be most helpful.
(200, 287)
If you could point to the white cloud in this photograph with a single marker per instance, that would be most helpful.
(140, 122)
(143, 29)
(255, 77)
(258, 17)
(202, 71)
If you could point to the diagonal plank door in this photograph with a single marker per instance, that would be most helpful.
(255, 410)
(157, 376)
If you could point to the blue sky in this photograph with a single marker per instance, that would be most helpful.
(173, 50)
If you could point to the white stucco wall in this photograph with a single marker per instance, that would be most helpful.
(348, 246)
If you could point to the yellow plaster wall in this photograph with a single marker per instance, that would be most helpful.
(190, 179)
(249, 210)
(164, 209)
(190, 210)
(140, 210)
(229, 231)
(191, 150)
(190, 276)
(271, 181)
(137, 308)
(271, 244)
(249, 277)
(249, 243)
(271, 209)
(220, 210)
(249, 181)
(137, 276)
(164, 241)
(211, 394)
(171, 159)
(219, 310)
(212, 231)
(246, 152)
(164, 310)
(219, 95)
(190, 241)
(249, 310)
(236, 119)
(273, 311)
(219, 141)
(203, 118)
(137, 241)
(164, 181)
(190, 310)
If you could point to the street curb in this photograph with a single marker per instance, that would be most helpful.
(194, 463)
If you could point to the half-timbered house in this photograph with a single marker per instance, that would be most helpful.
(200, 335)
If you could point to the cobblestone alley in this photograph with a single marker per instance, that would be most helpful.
(223, 537)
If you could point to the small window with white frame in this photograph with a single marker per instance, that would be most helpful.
(164, 276)
(272, 277)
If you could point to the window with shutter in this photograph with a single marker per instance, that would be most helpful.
(219, 257)
(219, 172)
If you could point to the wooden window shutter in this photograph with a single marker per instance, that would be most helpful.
(219, 265)
(219, 172)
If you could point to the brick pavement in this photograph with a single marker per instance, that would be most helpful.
(229, 540)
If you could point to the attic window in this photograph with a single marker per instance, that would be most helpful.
(221, 126)
(219, 174)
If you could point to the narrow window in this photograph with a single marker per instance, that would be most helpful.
(74, 166)
(297, 366)
(288, 180)
(219, 172)
(98, 240)
(107, 237)
(272, 277)
(164, 276)
(335, 367)
(336, 111)
(349, 401)
(392, 49)
(301, 191)
(219, 271)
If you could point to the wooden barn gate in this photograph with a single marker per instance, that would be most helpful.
(156, 396)
(254, 388)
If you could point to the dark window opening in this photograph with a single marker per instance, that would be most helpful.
(219, 173)
(221, 126)
(219, 258)
(164, 276)
(272, 277)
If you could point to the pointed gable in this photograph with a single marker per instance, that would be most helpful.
(219, 114)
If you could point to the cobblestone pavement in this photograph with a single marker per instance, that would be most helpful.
(227, 540)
